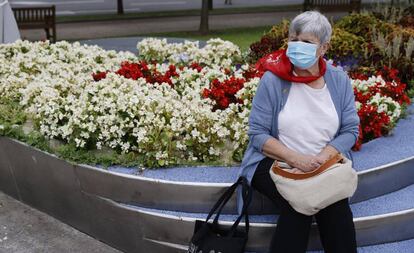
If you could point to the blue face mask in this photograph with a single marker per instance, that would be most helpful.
(302, 54)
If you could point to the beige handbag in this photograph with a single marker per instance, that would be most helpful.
(309, 192)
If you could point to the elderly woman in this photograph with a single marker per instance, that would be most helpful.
(303, 113)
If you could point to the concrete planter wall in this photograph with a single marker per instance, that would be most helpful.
(111, 206)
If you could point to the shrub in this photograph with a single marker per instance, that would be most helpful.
(345, 44)
(360, 24)
(275, 39)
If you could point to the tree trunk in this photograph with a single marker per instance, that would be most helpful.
(204, 17)
(120, 7)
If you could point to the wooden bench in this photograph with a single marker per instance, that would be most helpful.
(332, 5)
(43, 17)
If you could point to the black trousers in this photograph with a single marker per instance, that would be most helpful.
(335, 222)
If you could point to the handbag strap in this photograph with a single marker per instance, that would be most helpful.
(247, 194)
(247, 197)
(326, 165)
(224, 198)
(245, 187)
(246, 203)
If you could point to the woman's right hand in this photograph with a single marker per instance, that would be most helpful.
(305, 163)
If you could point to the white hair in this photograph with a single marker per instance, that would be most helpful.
(311, 22)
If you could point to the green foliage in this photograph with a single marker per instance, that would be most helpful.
(239, 153)
(410, 91)
(360, 24)
(280, 30)
(11, 112)
(77, 155)
(344, 43)
(401, 14)
(393, 48)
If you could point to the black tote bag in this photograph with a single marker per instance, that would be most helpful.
(210, 238)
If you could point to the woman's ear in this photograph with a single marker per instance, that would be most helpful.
(324, 48)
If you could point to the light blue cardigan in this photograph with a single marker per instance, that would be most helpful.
(271, 95)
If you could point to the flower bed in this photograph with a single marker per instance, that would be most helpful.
(173, 104)
(154, 114)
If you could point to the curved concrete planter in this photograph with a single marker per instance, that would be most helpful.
(92, 200)
(371, 230)
(174, 195)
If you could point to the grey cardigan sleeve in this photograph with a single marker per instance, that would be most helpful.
(260, 118)
(348, 131)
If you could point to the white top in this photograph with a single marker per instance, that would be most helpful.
(309, 120)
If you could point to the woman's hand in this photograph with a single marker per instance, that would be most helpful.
(305, 163)
(327, 153)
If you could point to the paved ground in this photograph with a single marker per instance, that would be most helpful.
(122, 28)
(26, 230)
(76, 7)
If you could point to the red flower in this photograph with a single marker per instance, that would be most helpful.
(99, 76)
(196, 66)
(224, 93)
(252, 72)
(372, 123)
(359, 76)
(224, 102)
(206, 93)
(141, 70)
(393, 87)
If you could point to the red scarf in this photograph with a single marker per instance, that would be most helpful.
(278, 63)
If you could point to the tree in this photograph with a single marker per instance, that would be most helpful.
(120, 7)
(204, 17)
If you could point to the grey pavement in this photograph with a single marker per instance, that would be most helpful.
(124, 28)
(26, 230)
(82, 7)
(77, 7)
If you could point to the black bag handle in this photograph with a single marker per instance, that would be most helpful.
(225, 196)
(242, 181)
(246, 203)
(245, 188)
(247, 197)
(226, 200)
